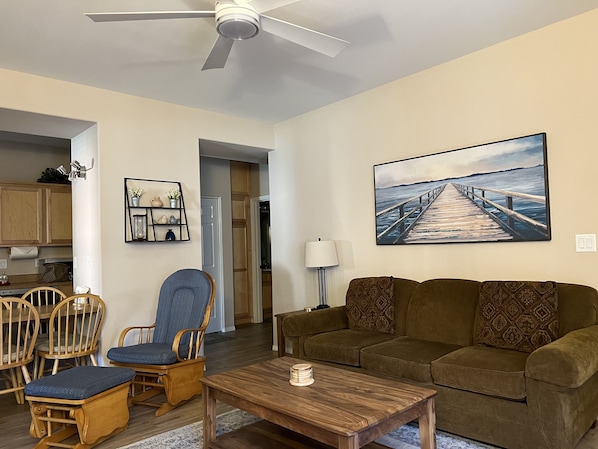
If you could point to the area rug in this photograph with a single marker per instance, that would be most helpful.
(190, 436)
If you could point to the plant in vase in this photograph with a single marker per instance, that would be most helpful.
(173, 196)
(136, 193)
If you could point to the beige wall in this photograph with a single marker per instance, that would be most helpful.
(132, 137)
(321, 174)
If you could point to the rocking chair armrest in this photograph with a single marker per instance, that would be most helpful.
(195, 340)
(144, 333)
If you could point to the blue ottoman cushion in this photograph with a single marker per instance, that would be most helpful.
(77, 383)
(144, 354)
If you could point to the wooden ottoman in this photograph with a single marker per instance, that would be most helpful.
(90, 401)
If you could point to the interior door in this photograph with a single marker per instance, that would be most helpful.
(211, 232)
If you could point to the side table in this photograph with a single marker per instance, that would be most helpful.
(280, 336)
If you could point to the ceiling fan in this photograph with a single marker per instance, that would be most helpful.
(239, 20)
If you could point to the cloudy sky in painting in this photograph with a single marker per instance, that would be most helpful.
(522, 152)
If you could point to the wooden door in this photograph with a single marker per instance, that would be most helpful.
(241, 225)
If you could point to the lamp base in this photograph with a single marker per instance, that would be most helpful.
(322, 306)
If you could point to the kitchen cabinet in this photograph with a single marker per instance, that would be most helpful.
(59, 218)
(35, 214)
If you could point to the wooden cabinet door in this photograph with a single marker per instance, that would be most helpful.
(21, 215)
(59, 217)
(241, 228)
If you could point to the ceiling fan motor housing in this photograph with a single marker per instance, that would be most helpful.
(238, 22)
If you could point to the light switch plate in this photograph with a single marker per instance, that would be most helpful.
(585, 243)
(3, 264)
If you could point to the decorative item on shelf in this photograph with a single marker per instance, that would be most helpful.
(135, 193)
(163, 220)
(157, 202)
(172, 219)
(321, 254)
(173, 196)
(140, 227)
(170, 235)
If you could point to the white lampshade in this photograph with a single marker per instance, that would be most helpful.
(321, 253)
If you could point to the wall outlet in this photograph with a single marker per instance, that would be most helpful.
(3, 264)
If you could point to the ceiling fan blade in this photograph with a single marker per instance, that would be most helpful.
(149, 15)
(314, 40)
(267, 5)
(219, 54)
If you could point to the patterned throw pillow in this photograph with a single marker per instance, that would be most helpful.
(517, 315)
(370, 304)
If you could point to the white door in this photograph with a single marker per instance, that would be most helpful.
(211, 234)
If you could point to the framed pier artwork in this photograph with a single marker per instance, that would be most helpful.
(494, 192)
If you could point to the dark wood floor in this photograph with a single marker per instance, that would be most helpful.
(226, 351)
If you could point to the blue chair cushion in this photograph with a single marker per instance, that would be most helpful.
(81, 382)
(143, 354)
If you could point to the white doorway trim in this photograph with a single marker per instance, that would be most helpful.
(258, 311)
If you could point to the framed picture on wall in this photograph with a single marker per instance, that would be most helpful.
(495, 192)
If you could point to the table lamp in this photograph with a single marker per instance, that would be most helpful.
(321, 254)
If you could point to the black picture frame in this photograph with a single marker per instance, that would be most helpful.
(494, 192)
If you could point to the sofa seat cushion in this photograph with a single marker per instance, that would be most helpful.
(491, 371)
(404, 357)
(342, 346)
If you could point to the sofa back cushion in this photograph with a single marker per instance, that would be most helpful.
(578, 307)
(443, 310)
(403, 289)
(370, 304)
(517, 315)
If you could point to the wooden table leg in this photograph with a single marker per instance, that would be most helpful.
(280, 337)
(351, 442)
(427, 426)
(209, 417)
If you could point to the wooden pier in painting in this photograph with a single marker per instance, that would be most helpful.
(457, 213)
(453, 216)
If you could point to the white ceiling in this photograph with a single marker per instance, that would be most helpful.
(266, 78)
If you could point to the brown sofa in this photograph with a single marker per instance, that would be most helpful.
(536, 392)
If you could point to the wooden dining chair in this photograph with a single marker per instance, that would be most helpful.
(167, 357)
(19, 327)
(43, 296)
(73, 332)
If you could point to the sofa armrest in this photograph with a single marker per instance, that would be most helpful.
(567, 362)
(316, 322)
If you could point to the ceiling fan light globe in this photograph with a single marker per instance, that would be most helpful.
(238, 22)
(237, 29)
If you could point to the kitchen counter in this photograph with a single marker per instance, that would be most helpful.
(28, 281)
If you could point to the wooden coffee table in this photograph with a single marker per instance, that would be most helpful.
(342, 409)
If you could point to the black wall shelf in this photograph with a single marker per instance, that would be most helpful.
(148, 222)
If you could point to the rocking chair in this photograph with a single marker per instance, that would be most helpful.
(166, 357)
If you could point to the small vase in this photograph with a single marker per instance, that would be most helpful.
(157, 202)
(170, 235)
(135, 201)
(173, 203)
